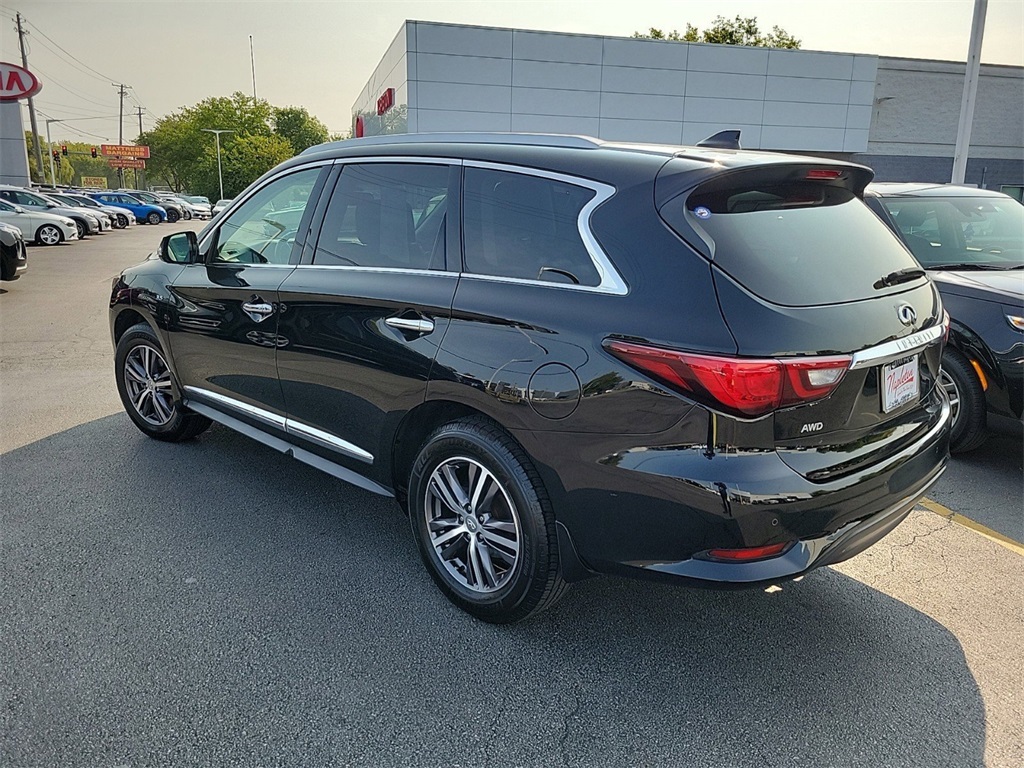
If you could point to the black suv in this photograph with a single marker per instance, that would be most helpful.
(562, 356)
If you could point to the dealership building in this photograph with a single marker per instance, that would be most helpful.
(897, 115)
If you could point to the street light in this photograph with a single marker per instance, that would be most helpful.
(216, 133)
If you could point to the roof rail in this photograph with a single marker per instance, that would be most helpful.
(529, 139)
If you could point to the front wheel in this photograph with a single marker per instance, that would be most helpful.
(153, 217)
(148, 390)
(121, 221)
(966, 402)
(48, 234)
(172, 216)
(82, 229)
(483, 523)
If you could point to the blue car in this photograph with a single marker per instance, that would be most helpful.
(144, 212)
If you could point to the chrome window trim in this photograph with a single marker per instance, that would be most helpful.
(239, 201)
(291, 426)
(611, 281)
(897, 348)
(421, 159)
(249, 410)
(386, 270)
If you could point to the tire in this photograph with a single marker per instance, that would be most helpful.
(153, 217)
(83, 231)
(48, 234)
(144, 377)
(172, 215)
(121, 221)
(187, 215)
(967, 401)
(499, 560)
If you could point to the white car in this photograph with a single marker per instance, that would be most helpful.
(201, 204)
(38, 227)
(220, 205)
(85, 222)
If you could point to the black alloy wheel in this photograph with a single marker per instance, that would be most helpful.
(121, 221)
(172, 215)
(49, 234)
(83, 231)
(148, 390)
(483, 523)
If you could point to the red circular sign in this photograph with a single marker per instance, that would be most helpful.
(17, 82)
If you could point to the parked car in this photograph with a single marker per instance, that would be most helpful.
(13, 255)
(121, 217)
(220, 205)
(38, 227)
(562, 356)
(202, 204)
(85, 222)
(108, 219)
(144, 212)
(174, 211)
(971, 242)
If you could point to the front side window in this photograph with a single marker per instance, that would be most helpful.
(526, 227)
(263, 229)
(386, 215)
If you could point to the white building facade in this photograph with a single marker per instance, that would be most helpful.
(897, 115)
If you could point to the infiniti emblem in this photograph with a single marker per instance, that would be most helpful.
(906, 314)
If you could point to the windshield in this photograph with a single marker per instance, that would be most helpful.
(987, 232)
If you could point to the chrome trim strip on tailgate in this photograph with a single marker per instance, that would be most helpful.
(897, 348)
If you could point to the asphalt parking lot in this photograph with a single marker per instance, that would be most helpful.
(216, 603)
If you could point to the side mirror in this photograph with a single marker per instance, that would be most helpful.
(179, 248)
(18, 209)
(52, 205)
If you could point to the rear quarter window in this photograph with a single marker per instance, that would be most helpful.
(799, 243)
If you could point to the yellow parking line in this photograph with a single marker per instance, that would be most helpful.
(988, 533)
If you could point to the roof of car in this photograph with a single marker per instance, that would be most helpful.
(924, 189)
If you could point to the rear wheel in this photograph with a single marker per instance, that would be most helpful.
(153, 217)
(148, 390)
(967, 403)
(483, 523)
(49, 234)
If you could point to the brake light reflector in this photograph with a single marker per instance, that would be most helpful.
(741, 386)
(824, 173)
(746, 554)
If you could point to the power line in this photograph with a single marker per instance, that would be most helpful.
(46, 37)
(49, 79)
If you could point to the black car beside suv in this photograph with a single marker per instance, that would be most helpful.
(562, 356)
(971, 242)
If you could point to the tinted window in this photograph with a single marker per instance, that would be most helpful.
(263, 229)
(525, 227)
(386, 215)
(979, 230)
(799, 244)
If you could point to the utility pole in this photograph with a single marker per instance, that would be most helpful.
(31, 105)
(252, 60)
(963, 131)
(122, 91)
(216, 134)
(140, 174)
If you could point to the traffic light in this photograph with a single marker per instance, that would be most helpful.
(94, 151)
(64, 149)
(56, 155)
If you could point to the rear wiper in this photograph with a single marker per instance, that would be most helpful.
(900, 276)
(965, 266)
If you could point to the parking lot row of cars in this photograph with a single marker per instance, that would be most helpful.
(58, 215)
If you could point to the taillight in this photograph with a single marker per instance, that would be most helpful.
(747, 554)
(741, 386)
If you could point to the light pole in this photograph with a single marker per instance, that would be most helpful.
(216, 134)
(49, 151)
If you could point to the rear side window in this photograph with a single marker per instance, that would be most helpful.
(388, 215)
(525, 227)
(798, 243)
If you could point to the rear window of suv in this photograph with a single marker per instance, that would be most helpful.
(798, 243)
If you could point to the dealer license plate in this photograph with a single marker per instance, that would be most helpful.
(900, 383)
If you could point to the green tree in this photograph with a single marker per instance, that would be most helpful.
(246, 159)
(299, 128)
(723, 31)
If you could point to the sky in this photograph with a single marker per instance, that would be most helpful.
(319, 55)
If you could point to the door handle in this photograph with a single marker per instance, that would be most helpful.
(258, 311)
(410, 324)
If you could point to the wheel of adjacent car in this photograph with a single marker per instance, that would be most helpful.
(148, 390)
(172, 215)
(82, 230)
(967, 403)
(121, 221)
(187, 215)
(483, 522)
(49, 234)
(153, 217)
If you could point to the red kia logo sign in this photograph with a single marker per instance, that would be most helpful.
(386, 101)
(17, 82)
